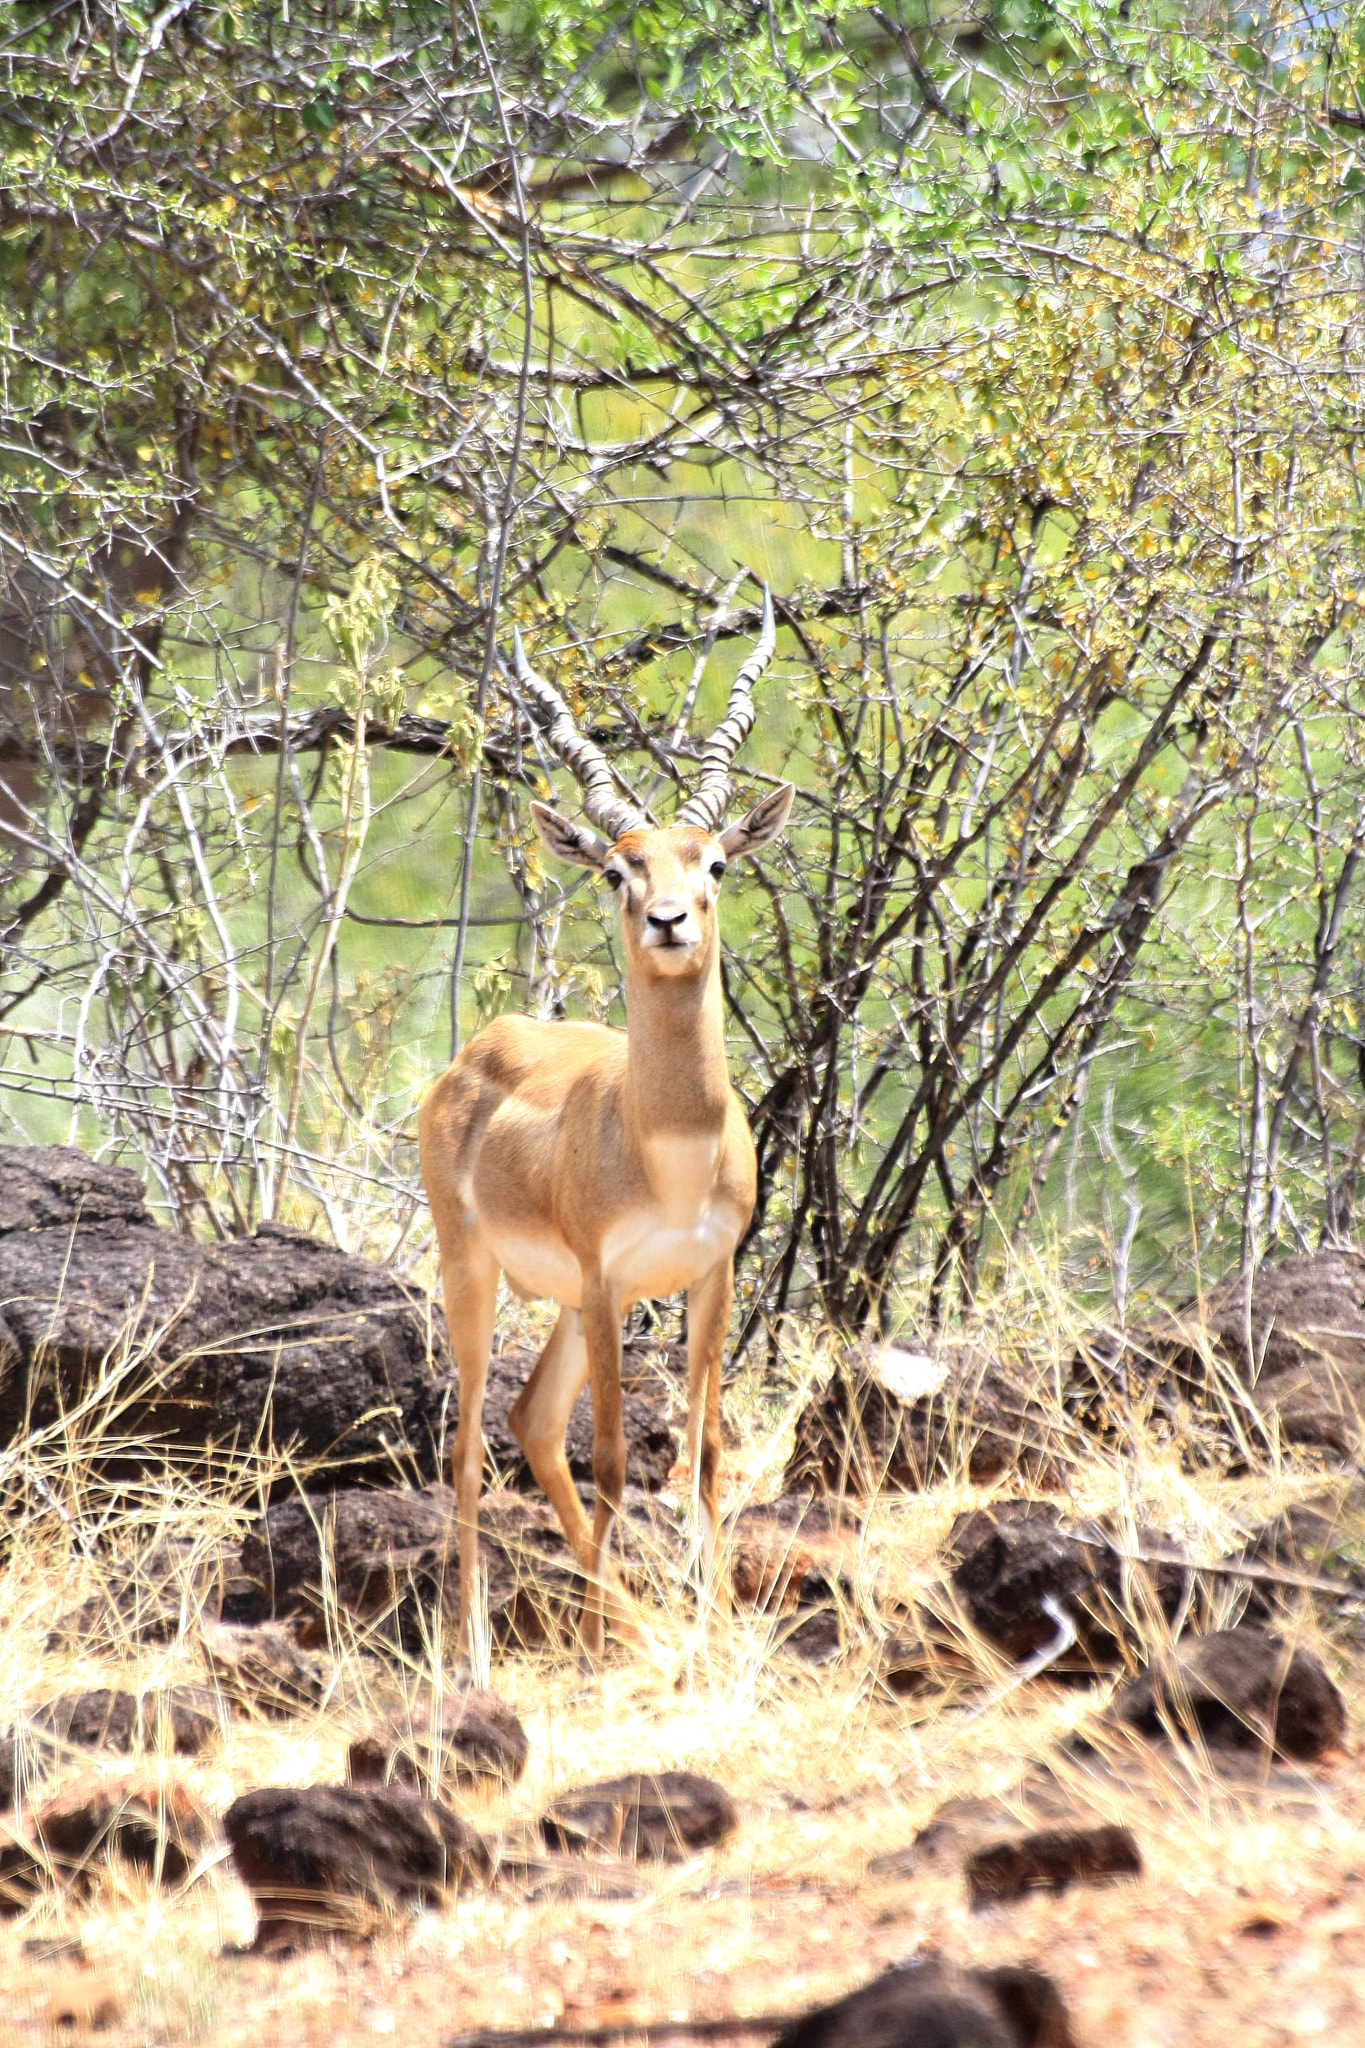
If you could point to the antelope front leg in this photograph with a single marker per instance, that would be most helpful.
(470, 1287)
(708, 1318)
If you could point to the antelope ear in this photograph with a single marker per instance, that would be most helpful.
(569, 841)
(762, 824)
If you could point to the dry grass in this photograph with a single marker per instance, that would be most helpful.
(1248, 1926)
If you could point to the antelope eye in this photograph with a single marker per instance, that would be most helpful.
(718, 868)
(613, 877)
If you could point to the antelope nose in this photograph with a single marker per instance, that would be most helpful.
(666, 918)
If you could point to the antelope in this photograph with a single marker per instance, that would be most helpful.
(599, 1167)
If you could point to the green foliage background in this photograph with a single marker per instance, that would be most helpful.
(1017, 347)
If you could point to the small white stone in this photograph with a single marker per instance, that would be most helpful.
(909, 1375)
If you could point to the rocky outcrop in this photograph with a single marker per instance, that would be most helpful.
(277, 1341)
(1044, 1837)
(264, 1670)
(795, 1551)
(52, 1187)
(1275, 1357)
(1322, 1541)
(1050, 1860)
(182, 1718)
(111, 1719)
(795, 1557)
(1066, 1597)
(165, 1594)
(1022, 1575)
(901, 1418)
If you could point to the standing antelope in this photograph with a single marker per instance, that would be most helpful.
(603, 1167)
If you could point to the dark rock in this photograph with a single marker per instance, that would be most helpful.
(954, 1832)
(50, 1187)
(901, 1418)
(54, 1948)
(393, 1561)
(1040, 1804)
(331, 1856)
(98, 1719)
(243, 1603)
(153, 1826)
(1322, 1538)
(154, 1600)
(192, 1717)
(368, 1537)
(24, 1873)
(474, 1735)
(180, 1717)
(791, 1552)
(104, 1719)
(938, 2005)
(917, 1660)
(816, 1636)
(1018, 1556)
(276, 1339)
(1050, 1859)
(130, 1614)
(1278, 1356)
(1238, 1689)
(265, 1670)
(664, 1815)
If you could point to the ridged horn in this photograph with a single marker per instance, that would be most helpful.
(706, 806)
(585, 761)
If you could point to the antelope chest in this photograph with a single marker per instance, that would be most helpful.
(680, 1227)
(676, 1230)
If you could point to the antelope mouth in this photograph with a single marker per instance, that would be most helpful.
(672, 955)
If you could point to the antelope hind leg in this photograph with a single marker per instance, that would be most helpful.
(539, 1420)
(605, 1595)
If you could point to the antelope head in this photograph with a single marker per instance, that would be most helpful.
(666, 878)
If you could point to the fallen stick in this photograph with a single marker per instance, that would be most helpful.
(1230, 1568)
(623, 2030)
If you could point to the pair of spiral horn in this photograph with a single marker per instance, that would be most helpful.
(588, 764)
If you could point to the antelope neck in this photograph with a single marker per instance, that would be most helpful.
(676, 1077)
